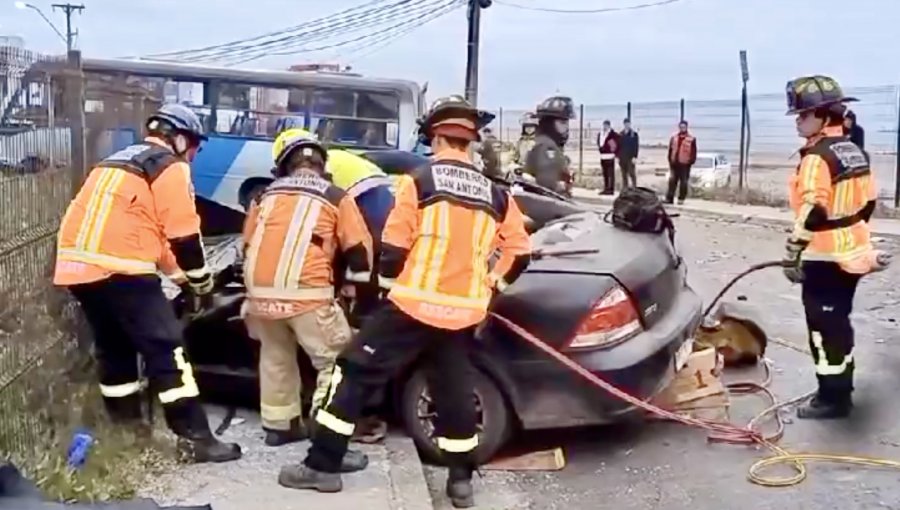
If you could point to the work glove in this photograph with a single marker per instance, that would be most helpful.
(199, 292)
(790, 263)
(202, 284)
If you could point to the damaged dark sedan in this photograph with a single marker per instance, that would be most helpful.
(615, 301)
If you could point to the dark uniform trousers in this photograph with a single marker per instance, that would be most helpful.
(679, 177)
(131, 315)
(388, 342)
(827, 294)
(629, 177)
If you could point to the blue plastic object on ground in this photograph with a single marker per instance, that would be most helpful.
(82, 440)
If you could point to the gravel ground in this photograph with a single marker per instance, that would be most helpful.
(251, 482)
(661, 465)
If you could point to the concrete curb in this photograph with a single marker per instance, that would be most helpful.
(409, 490)
(736, 216)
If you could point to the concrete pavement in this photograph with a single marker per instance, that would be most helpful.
(752, 214)
(394, 479)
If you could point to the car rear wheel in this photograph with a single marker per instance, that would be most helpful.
(418, 413)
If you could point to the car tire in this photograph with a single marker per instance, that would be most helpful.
(494, 417)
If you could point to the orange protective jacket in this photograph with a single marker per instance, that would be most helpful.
(448, 219)
(135, 214)
(683, 149)
(291, 236)
(833, 196)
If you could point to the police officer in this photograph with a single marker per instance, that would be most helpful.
(134, 215)
(833, 195)
(526, 139)
(441, 287)
(546, 161)
(490, 150)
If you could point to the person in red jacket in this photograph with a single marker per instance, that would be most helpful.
(608, 143)
(682, 156)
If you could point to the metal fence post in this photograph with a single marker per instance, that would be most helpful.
(742, 164)
(581, 140)
(74, 104)
(897, 157)
(500, 122)
(681, 108)
(628, 110)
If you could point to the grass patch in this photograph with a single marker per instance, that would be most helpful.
(48, 389)
(119, 461)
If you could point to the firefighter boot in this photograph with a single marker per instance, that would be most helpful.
(354, 460)
(825, 409)
(301, 476)
(296, 432)
(187, 419)
(459, 487)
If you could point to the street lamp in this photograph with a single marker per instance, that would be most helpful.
(24, 5)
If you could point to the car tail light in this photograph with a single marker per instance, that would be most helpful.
(612, 320)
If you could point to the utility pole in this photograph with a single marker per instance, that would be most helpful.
(475, 7)
(70, 34)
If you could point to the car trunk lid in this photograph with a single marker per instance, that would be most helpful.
(646, 265)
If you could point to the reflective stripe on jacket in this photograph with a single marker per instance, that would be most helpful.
(829, 193)
(120, 220)
(291, 236)
(447, 220)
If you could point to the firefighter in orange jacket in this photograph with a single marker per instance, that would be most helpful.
(291, 235)
(447, 220)
(833, 195)
(135, 214)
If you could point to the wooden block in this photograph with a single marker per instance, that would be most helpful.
(698, 379)
(714, 407)
(543, 460)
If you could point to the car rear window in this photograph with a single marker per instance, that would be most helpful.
(704, 163)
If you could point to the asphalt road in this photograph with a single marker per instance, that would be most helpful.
(662, 465)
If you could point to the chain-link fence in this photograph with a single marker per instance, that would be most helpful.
(36, 182)
(773, 141)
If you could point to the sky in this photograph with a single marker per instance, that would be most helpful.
(685, 49)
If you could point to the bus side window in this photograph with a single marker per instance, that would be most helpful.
(257, 111)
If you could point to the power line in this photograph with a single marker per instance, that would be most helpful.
(367, 5)
(394, 19)
(585, 11)
(370, 47)
(383, 36)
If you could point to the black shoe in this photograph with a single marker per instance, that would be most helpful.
(459, 488)
(297, 432)
(299, 476)
(187, 419)
(820, 409)
(680, 201)
(354, 460)
(209, 450)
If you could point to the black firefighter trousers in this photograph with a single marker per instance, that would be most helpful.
(827, 294)
(386, 344)
(679, 177)
(130, 315)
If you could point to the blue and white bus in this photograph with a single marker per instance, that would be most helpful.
(245, 109)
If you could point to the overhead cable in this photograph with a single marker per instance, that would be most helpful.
(600, 10)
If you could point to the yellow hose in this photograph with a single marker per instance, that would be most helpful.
(796, 460)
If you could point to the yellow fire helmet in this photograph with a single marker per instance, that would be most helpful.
(282, 139)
